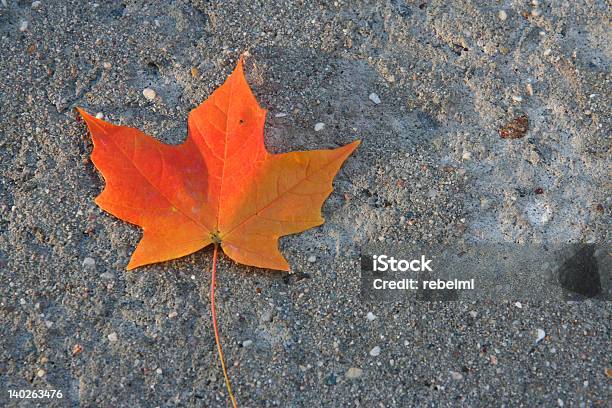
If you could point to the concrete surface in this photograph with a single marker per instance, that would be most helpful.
(432, 168)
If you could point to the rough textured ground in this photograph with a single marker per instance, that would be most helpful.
(432, 168)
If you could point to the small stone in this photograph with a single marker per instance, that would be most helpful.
(107, 65)
(374, 98)
(529, 89)
(100, 115)
(107, 276)
(149, 94)
(371, 316)
(502, 15)
(172, 314)
(112, 337)
(89, 262)
(353, 373)
(516, 128)
(312, 259)
(466, 156)
(517, 98)
(518, 304)
(330, 381)
(319, 126)
(40, 373)
(280, 115)
(560, 402)
(547, 52)
(540, 334)
(23, 26)
(195, 72)
(77, 349)
(266, 317)
(375, 352)
(22, 301)
(456, 376)
(247, 343)
(35, 4)
(473, 314)
(48, 323)
(536, 12)
(159, 371)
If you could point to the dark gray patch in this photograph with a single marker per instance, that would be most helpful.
(580, 274)
(427, 121)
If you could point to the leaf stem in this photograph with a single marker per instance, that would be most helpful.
(216, 328)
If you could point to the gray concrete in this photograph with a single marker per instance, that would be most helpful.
(432, 168)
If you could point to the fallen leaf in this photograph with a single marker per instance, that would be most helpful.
(219, 186)
(516, 128)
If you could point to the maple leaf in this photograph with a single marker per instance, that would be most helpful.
(219, 186)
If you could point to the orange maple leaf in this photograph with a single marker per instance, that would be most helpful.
(219, 186)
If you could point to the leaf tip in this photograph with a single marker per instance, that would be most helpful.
(84, 114)
(240, 64)
(350, 148)
(244, 54)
